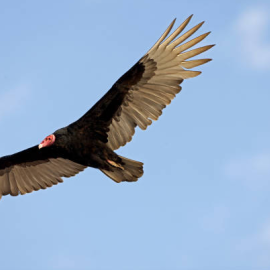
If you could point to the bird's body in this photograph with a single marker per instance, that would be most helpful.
(136, 99)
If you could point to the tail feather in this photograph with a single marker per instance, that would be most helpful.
(129, 171)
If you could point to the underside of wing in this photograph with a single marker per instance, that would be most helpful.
(165, 66)
(25, 177)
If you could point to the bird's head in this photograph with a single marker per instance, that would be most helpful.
(48, 141)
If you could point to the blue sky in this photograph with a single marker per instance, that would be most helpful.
(203, 202)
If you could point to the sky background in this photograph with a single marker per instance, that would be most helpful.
(203, 202)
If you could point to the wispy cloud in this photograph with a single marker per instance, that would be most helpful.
(252, 29)
(257, 245)
(64, 262)
(216, 220)
(12, 100)
(250, 168)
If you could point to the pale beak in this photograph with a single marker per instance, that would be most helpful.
(40, 146)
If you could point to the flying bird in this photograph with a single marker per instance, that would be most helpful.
(137, 98)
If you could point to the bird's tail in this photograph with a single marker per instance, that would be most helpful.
(128, 171)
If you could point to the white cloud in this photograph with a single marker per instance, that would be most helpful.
(64, 262)
(250, 168)
(252, 29)
(13, 99)
(216, 220)
(257, 246)
(264, 235)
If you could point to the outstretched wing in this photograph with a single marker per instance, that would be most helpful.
(141, 94)
(34, 169)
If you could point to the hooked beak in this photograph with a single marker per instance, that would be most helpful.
(41, 145)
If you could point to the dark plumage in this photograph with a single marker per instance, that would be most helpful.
(136, 99)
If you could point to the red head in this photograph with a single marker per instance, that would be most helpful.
(48, 141)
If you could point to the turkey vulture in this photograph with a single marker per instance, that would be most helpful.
(136, 99)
